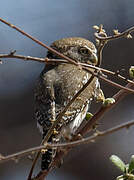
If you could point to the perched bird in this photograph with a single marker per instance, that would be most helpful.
(56, 86)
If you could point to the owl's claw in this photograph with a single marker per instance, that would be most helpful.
(108, 101)
(100, 96)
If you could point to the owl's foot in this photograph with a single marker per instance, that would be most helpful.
(108, 101)
(100, 96)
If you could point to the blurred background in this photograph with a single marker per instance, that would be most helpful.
(50, 20)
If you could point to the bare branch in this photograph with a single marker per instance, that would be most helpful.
(37, 41)
(46, 60)
(102, 38)
(98, 115)
(56, 122)
(115, 36)
(69, 144)
(65, 57)
(125, 90)
(25, 58)
(69, 59)
(83, 65)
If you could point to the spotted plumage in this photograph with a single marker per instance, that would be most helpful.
(57, 85)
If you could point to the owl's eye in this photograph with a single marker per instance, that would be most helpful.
(83, 51)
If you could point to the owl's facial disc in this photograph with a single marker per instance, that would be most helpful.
(89, 55)
(93, 59)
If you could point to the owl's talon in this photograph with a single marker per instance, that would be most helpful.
(108, 101)
(100, 96)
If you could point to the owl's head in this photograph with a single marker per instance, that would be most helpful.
(76, 48)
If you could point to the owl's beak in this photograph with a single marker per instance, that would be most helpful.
(93, 59)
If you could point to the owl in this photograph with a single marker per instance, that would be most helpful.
(56, 86)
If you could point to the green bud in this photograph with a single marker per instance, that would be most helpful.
(129, 36)
(131, 72)
(107, 102)
(96, 27)
(118, 162)
(131, 164)
(120, 177)
(88, 116)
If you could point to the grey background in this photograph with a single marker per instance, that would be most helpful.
(49, 20)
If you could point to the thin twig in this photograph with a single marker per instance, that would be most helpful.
(116, 36)
(68, 144)
(99, 51)
(83, 65)
(70, 60)
(25, 58)
(46, 60)
(67, 58)
(102, 38)
(56, 122)
(37, 41)
(98, 115)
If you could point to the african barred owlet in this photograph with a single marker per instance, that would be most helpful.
(57, 85)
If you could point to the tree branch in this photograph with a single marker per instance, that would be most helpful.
(98, 115)
(37, 41)
(46, 60)
(116, 35)
(101, 45)
(103, 38)
(83, 65)
(68, 144)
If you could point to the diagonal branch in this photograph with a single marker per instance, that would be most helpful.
(68, 144)
(46, 60)
(37, 41)
(86, 67)
(98, 115)
(115, 36)
(25, 58)
(102, 40)
(69, 59)
(56, 122)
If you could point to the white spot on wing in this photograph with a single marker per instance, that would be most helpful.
(78, 120)
(97, 84)
(85, 78)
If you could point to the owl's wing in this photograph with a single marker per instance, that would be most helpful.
(44, 102)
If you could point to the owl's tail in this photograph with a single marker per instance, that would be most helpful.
(47, 156)
(46, 159)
